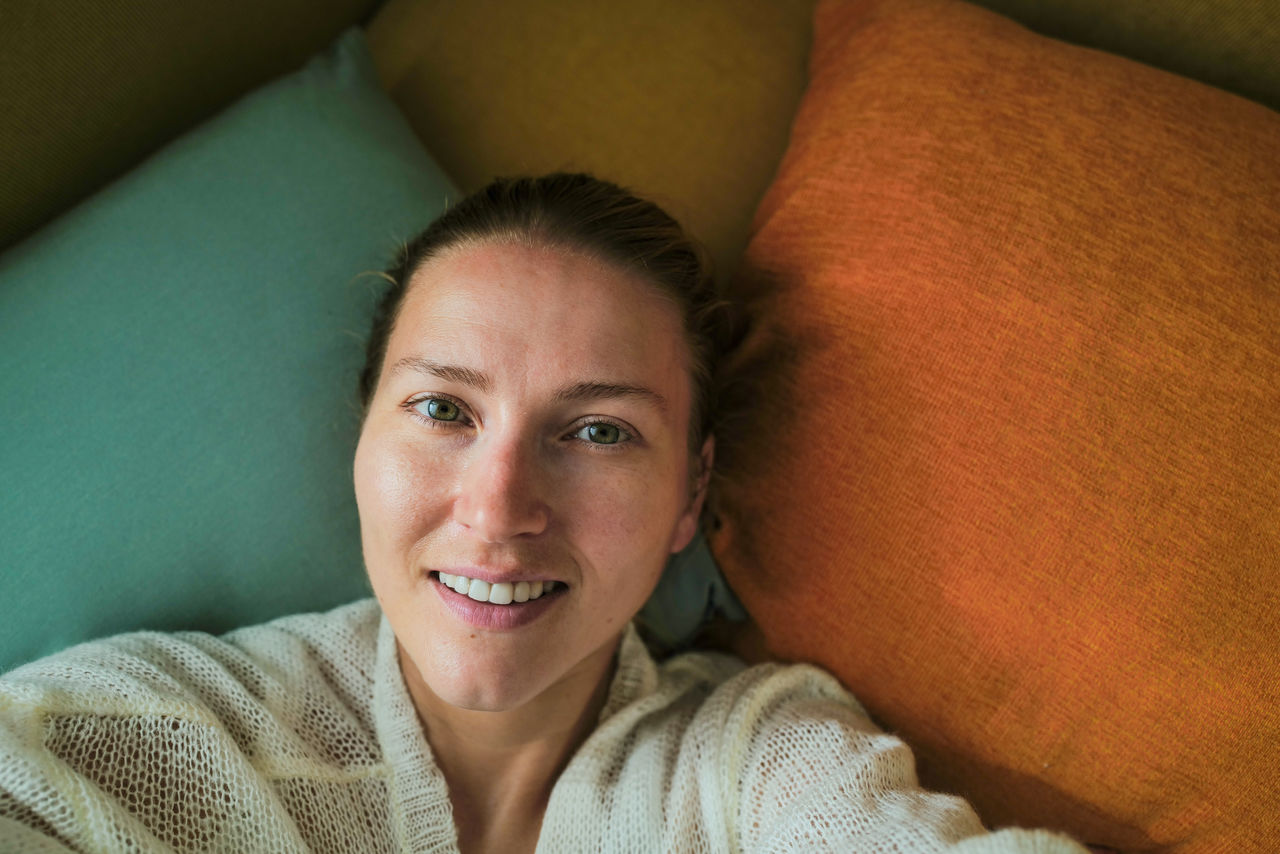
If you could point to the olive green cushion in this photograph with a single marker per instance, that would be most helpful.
(89, 88)
(1231, 44)
(180, 363)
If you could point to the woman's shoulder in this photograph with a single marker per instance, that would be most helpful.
(780, 756)
(714, 706)
(715, 745)
(183, 673)
(190, 738)
(729, 687)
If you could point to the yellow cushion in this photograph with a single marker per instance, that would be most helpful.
(686, 103)
(1019, 483)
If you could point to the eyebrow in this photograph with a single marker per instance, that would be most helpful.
(581, 391)
(451, 373)
(602, 391)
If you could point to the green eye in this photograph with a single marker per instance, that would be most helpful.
(602, 434)
(442, 410)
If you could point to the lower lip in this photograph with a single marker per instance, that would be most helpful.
(486, 615)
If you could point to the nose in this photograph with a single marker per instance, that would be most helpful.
(500, 496)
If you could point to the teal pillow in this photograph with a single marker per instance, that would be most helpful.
(180, 359)
(691, 592)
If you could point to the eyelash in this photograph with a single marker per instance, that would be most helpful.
(435, 423)
(597, 447)
(410, 406)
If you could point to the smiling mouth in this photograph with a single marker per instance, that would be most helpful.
(502, 593)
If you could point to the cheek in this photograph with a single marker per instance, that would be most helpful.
(396, 492)
(624, 516)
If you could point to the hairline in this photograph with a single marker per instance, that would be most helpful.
(539, 236)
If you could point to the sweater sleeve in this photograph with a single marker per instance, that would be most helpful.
(17, 838)
(256, 741)
(807, 770)
(112, 746)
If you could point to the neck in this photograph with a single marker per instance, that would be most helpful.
(502, 765)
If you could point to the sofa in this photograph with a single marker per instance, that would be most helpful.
(1006, 447)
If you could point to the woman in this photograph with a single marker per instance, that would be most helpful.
(536, 443)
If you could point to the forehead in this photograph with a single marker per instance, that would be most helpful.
(489, 305)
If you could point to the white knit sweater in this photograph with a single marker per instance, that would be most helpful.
(299, 735)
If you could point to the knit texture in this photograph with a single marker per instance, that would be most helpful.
(300, 735)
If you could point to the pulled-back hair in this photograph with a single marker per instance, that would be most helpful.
(578, 213)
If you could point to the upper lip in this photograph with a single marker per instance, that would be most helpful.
(495, 576)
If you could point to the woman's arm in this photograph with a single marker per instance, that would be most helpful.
(806, 769)
(18, 838)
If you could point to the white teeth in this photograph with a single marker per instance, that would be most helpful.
(479, 590)
(502, 593)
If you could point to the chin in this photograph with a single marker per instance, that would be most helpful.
(485, 680)
(498, 694)
(487, 704)
(499, 682)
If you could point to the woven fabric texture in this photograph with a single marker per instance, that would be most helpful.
(1019, 484)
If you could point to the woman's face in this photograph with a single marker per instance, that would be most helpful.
(530, 425)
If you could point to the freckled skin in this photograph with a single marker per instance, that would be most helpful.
(514, 486)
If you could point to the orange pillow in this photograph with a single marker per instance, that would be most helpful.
(1018, 484)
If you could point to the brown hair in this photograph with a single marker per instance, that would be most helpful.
(584, 214)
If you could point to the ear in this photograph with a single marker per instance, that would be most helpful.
(687, 524)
